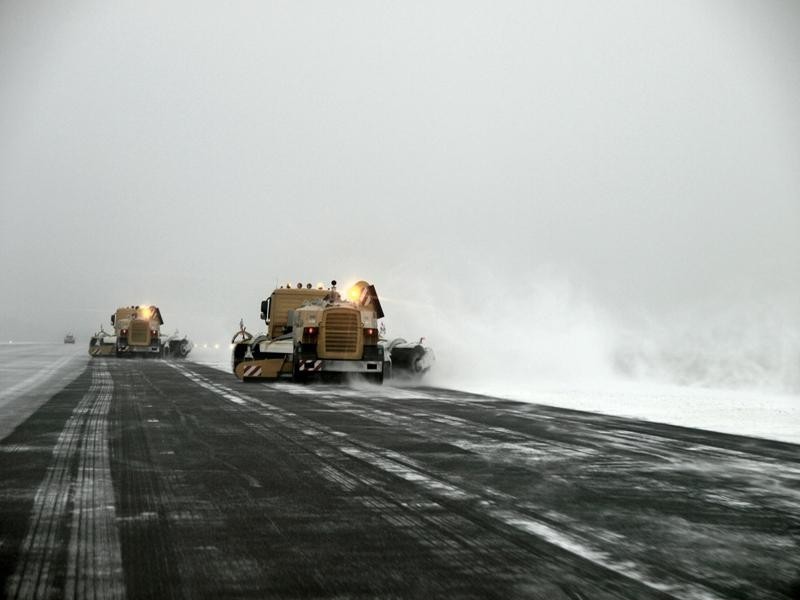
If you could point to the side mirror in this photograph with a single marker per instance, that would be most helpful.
(112, 319)
(265, 309)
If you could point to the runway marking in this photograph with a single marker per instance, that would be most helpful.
(404, 468)
(94, 559)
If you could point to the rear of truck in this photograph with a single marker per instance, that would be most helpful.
(336, 339)
(137, 331)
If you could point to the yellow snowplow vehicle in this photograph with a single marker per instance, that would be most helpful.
(137, 329)
(137, 332)
(316, 333)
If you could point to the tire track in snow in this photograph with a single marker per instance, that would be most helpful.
(449, 495)
(79, 475)
(443, 535)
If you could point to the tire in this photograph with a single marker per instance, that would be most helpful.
(416, 361)
(298, 376)
(237, 356)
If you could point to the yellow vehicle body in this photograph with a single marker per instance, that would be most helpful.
(266, 368)
(318, 333)
(270, 356)
(137, 330)
(312, 332)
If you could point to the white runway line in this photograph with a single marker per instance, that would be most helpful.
(94, 557)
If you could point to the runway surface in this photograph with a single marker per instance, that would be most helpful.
(154, 479)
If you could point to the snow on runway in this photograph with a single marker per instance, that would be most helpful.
(152, 478)
(94, 563)
(748, 412)
(752, 413)
(30, 373)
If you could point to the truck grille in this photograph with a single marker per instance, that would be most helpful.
(341, 332)
(139, 333)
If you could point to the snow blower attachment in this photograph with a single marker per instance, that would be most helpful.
(316, 333)
(408, 359)
(175, 346)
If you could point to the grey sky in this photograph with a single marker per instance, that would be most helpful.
(190, 154)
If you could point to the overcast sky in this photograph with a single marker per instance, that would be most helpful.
(191, 154)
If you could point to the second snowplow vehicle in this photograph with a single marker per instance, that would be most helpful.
(137, 332)
(138, 329)
(315, 332)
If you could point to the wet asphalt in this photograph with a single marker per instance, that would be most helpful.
(151, 479)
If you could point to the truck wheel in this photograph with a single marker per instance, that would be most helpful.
(237, 356)
(415, 364)
(298, 376)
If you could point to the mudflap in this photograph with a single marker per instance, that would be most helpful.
(265, 368)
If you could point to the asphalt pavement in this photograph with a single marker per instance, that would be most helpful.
(155, 479)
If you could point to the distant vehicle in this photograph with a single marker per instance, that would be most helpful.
(69, 339)
(316, 333)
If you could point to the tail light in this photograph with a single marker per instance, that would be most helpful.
(310, 335)
(370, 336)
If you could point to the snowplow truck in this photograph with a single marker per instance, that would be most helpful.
(137, 330)
(318, 333)
(313, 332)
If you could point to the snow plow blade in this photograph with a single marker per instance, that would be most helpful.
(102, 343)
(102, 350)
(265, 368)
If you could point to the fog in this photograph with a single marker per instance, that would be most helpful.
(546, 191)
